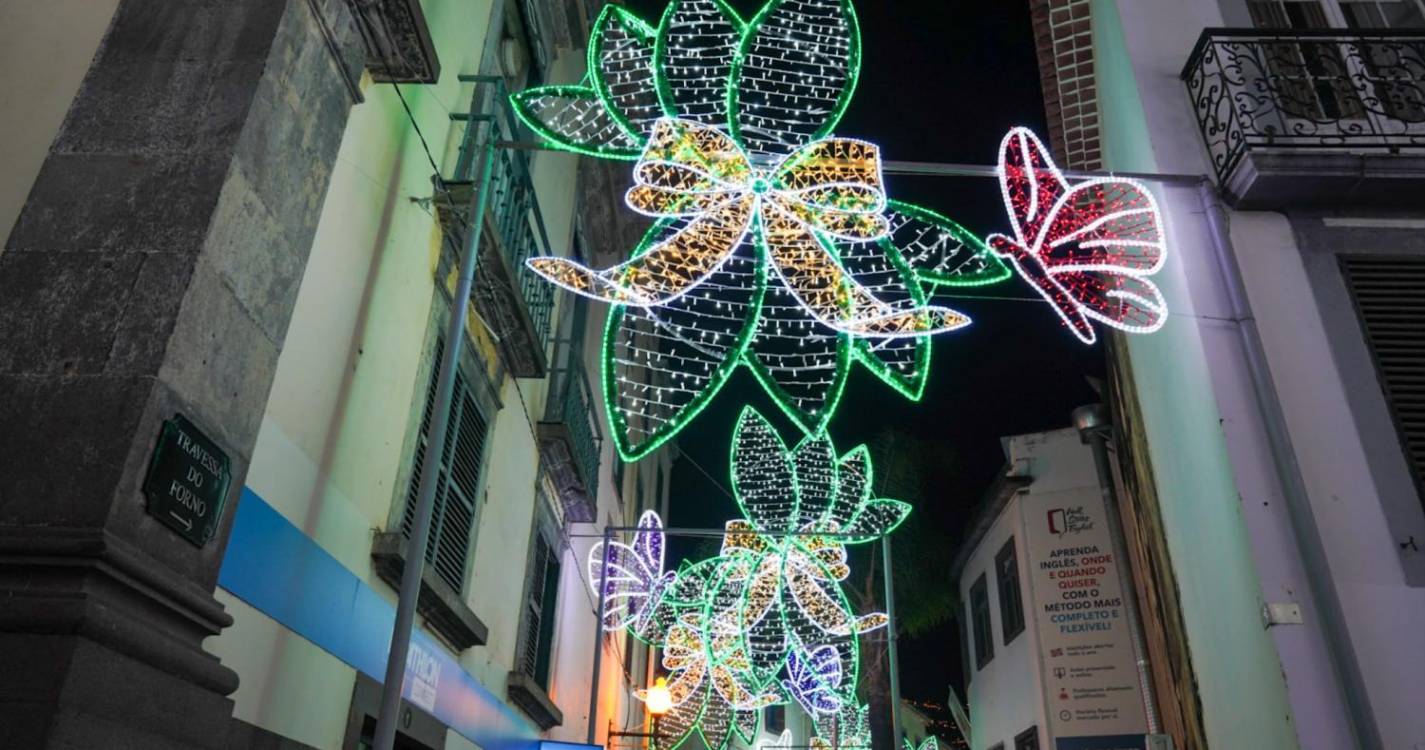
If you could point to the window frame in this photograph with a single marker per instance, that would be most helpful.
(780, 711)
(485, 397)
(1030, 735)
(1324, 247)
(1010, 627)
(1334, 10)
(542, 538)
(1390, 398)
(984, 643)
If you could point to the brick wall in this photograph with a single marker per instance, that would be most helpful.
(1064, 44)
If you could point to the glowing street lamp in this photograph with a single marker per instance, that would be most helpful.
(659, 700)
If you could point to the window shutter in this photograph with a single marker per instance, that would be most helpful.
(1390, 298)
(533, 608)
(537, 630)
(457, 482)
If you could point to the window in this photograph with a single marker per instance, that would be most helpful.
(1027, 740)
(1011, 605)
(980, 616)
(458, 481)
(1389, 294)
(774, 719)
(541, 596)
(1383, 14)
(966, 672)
(997, 746)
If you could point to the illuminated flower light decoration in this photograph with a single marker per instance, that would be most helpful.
(1087, 248)
(766, 621)
(774, 246)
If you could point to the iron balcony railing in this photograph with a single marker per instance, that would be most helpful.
(1354, 90)
(570, 440)
(513, 205)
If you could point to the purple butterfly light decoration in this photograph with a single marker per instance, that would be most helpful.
(813, 679)
(633, 578)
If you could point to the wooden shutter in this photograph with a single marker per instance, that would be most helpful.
(533, 607)
(457, 483)
(537, 631)
(1389, 293)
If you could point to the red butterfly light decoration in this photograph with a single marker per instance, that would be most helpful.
(1087, 248)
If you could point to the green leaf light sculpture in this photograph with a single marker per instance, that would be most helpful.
(766, 621)
(774, 245)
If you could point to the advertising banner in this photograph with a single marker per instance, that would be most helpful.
(1089, 672)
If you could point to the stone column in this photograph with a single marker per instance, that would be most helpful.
(152, 271)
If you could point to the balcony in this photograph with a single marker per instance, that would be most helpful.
(1314, 118)
(513, 302)
(569, 436)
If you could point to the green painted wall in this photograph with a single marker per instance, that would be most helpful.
(1240, 682)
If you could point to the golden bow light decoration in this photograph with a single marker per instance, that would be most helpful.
(795, 210)
(775, 247)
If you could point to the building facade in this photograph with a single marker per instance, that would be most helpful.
(269, 203)
(1270, 435)
(1050, 653)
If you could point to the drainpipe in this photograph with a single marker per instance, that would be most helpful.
(1093, 425)
(1288, 469)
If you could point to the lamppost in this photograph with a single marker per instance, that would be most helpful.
(658, 701)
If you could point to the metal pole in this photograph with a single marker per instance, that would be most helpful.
(387, 719)
(891, 644)
(599, 637)
(1092, 422)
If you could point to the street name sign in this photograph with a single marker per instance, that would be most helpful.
(187, 482)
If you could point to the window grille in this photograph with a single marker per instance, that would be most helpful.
(457, 483)
(1389, 293)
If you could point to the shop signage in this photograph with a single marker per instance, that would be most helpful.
(187, 482)
(1090, 680)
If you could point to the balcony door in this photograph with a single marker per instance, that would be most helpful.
(1350, 85)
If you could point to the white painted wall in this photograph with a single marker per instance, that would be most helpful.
(1231, 539)
(1006, 696)
(329, 454)
(46, 45)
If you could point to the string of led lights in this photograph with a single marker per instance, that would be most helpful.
(765, 621)
(775, 247)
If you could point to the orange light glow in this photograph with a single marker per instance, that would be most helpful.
(659, 700)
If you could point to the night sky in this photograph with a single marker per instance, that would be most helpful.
(940, 82)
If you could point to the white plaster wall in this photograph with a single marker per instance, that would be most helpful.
(286, 681)
(35, 95)
(332, 440)
(1218, 485)
(1006, 697)
(1384, 614)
